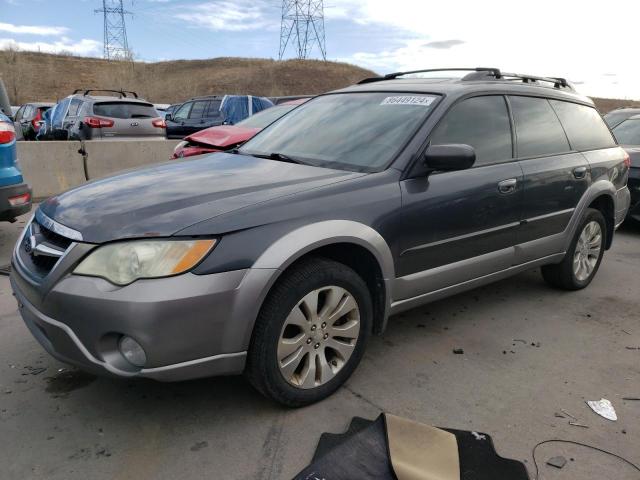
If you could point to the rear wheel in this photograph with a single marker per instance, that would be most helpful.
(311, 332)
(583, 258)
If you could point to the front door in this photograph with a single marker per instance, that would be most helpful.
(462, 225)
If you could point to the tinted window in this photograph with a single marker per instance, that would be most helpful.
(197, 111)
(182, 113)
(213, 110)
(584, 126)
(352, 131)
(266, 117)
(538, 130)
(125, 110)
(628, 132)
(483, 123)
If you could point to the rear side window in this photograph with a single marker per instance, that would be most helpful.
(124, 110)
(481, 122)
(213, 110)
(584, 126)
(74, 106)
(538, 130)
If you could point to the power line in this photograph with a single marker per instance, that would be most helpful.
(116, 46)
(302, 28)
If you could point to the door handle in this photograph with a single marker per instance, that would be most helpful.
(508, 186)
(580, 172)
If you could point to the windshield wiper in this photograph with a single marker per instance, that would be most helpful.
(281, 157)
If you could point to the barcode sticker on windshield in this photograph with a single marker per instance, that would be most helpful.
(408, 100)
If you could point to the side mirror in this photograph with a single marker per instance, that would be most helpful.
(168, 117)
(449, 157)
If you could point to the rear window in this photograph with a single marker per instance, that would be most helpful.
(538, 130)
(124, 110)
(628, 132)
(584, 126)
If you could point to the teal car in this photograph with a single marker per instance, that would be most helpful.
(15, 194)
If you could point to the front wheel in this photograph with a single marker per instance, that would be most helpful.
(311, 332)
(583, 258)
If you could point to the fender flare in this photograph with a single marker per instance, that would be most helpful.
(597, 189)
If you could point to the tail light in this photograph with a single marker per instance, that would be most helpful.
(7, 133)
(627, 160)
(159, 123)
(21, 199)
(97, 122)
(36, 120)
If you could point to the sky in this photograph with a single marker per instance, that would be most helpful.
(587, 41)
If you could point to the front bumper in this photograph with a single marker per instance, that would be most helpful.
(190, 326)
(9, 212)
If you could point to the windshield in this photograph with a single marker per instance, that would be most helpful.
(352, 131)
(628, 132)
(266, 117)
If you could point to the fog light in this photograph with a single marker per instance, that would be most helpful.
(132, 351)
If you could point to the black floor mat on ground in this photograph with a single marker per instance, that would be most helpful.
(362, 452)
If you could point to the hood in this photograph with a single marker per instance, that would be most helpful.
(223, 135)
(634, 153)
(161, 200)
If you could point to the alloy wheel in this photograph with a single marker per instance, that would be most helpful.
(587, 252)
(318, 337)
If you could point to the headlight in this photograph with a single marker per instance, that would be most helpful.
(124, 262)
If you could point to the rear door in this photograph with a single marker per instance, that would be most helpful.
(555, 175)
(196, 120)
(461, 225)
(213, 115)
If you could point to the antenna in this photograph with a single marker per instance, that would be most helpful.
(302, 27)
(116, 46)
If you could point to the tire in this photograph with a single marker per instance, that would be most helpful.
(564, 275)
(287, 333)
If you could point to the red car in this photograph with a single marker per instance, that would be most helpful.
(228, 137)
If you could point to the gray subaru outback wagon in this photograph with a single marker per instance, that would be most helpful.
(281, 258)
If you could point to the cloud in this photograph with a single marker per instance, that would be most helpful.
(85, 46)
(43, 30)
(235, 16)
(444, 44)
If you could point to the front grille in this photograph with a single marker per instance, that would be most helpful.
(40, 265)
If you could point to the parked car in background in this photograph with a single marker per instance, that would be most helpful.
(205, 112)
(628, 135)
(228, 137)
(122, 115)
(170, 109)
(282, 258)
(28, 119)
(619, 115)
(161, 108)
(15, 194)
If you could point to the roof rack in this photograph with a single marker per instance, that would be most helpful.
(122, 93)
(479, 73)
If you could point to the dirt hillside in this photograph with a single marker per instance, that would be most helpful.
(31, 76)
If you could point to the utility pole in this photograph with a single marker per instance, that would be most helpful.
(302, 27)
(116, 46)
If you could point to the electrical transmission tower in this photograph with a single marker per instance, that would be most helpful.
(115, 30)
(302, 27)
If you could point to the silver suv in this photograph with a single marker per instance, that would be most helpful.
(89, 117)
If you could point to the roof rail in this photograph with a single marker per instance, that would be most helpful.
(390, 76)
(479, 73)
(122, 93)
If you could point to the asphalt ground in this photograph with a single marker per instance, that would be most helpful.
(529, 352)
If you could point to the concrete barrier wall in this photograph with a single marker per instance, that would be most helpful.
(53, 167)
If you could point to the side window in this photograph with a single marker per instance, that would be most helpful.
(182, 113)
(19, 113)
(584, 126)
(481, 122)
(198, 109)
(213, 110)
(74, 106)
(538, 130)
(28, 113)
